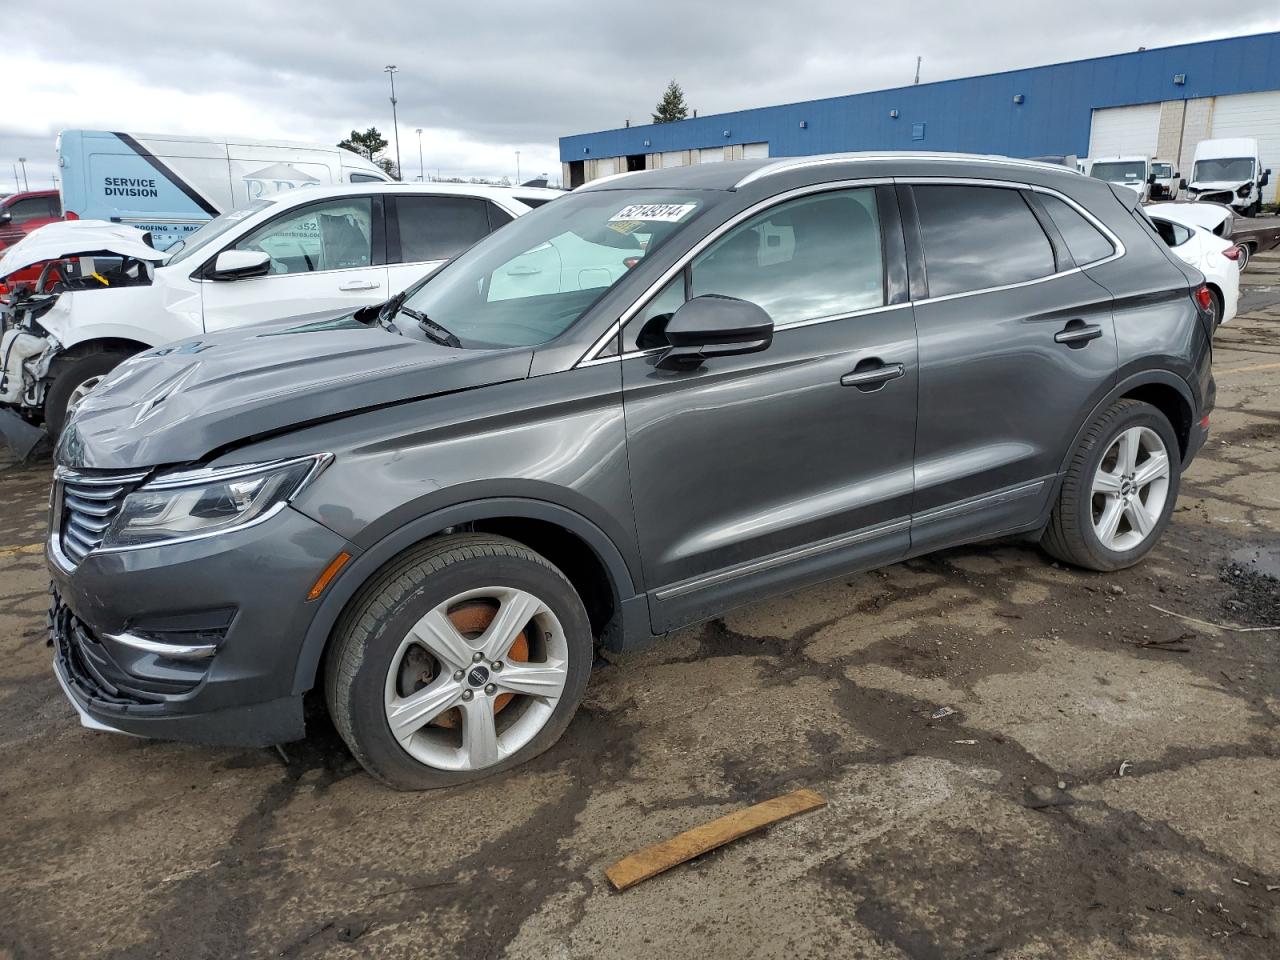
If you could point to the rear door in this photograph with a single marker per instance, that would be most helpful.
(325, 256)
(1017, 346)
(424, 231)
(753, 473)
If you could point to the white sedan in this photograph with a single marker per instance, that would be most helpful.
(1216, 258)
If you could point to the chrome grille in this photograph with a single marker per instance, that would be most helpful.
(86, 503)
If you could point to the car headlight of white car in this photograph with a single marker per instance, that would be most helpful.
(201, 503)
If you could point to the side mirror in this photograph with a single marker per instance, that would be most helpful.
(240, 265)
(1182, 184)
(1266, 178)
(714, 326)
(1151, 178)
(5, 216)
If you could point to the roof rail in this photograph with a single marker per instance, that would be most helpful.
(797, 163)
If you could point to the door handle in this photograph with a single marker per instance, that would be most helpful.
(1077, 333)
(359, 285)
(865, 375)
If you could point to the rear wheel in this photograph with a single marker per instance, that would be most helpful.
(466, 658)
(1246, 251)
(72, 379)
(1119, 491)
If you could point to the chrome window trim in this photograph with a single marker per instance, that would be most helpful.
(592, 358)
(654, 288)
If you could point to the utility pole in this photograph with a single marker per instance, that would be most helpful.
(390, 70)
(517, 167)
(17, 184)
(917, 79)
(421, 176)
(25, 186)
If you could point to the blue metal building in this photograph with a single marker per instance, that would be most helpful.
(1156, 102)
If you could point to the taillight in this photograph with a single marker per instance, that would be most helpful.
(1232, 253)
(1203, 297)
(71, 215)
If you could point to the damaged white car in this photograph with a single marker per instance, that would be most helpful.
(105, 294)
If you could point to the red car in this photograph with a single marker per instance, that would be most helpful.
(20, 213)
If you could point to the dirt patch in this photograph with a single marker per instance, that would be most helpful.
(1255, 593)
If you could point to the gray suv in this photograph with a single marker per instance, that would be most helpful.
(637, 406)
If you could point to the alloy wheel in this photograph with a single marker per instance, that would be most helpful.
(465, 690)
(1130, 488)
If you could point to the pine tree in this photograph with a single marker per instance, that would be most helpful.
(672, 106)
(368, 144)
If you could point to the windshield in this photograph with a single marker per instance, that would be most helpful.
(1235, 169)
(1162, 171)
(1120, 171)
(213, 230)
(530, 281)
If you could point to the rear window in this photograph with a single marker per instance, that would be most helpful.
(979, 237)
(1174, 234)
(1085, 241)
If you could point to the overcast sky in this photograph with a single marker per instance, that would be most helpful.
(484, 80)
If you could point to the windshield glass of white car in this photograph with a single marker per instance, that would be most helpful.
(535, 277)
(1117, 172)
(1211, 171)
(213, 230)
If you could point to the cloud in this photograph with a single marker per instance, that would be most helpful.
(486, 80)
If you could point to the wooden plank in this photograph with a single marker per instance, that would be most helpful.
(653, 860)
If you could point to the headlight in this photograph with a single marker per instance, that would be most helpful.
(1244, 190)
(201, 503)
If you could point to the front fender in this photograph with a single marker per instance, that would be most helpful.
(374, 556)
(129, 313)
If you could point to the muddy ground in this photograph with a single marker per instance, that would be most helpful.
(1004, 829)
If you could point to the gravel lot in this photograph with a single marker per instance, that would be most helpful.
(1003, 829)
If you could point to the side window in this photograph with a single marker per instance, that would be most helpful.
(334, 235)
(818, 256)
(497, 216)
(1086, 243)
(365, 178)
(1174, 234)
(645, 330)
(55, 206)
(437, 228)
(979, 237)
(33, 208)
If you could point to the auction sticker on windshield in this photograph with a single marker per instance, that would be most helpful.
(655, 212)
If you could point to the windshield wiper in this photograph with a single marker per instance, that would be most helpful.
(434, 331)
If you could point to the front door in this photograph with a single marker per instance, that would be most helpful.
(754, 473)
(1016, 348)
(325, 256)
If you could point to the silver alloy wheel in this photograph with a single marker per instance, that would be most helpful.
(80, 392)
(1130, 488)
(469, 674)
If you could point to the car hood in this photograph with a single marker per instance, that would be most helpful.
(1232, 185)
(77, 238)
(180, 402)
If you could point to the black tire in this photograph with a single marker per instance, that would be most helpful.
(369, 633)
(1246, 254)
(1070, 536)
(66, 374)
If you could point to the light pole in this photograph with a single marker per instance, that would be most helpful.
(421, 177)
(517, 166)
(390, 70)
(25, 186)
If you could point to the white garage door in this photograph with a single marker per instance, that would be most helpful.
(673, 158)
(1254, 115)
(1124, 131)
(755, 151)
(711, 155)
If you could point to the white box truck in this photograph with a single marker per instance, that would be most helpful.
(170, 185)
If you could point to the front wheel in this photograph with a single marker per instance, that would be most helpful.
(1119, 491)
(467, 657)
(72, 378)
